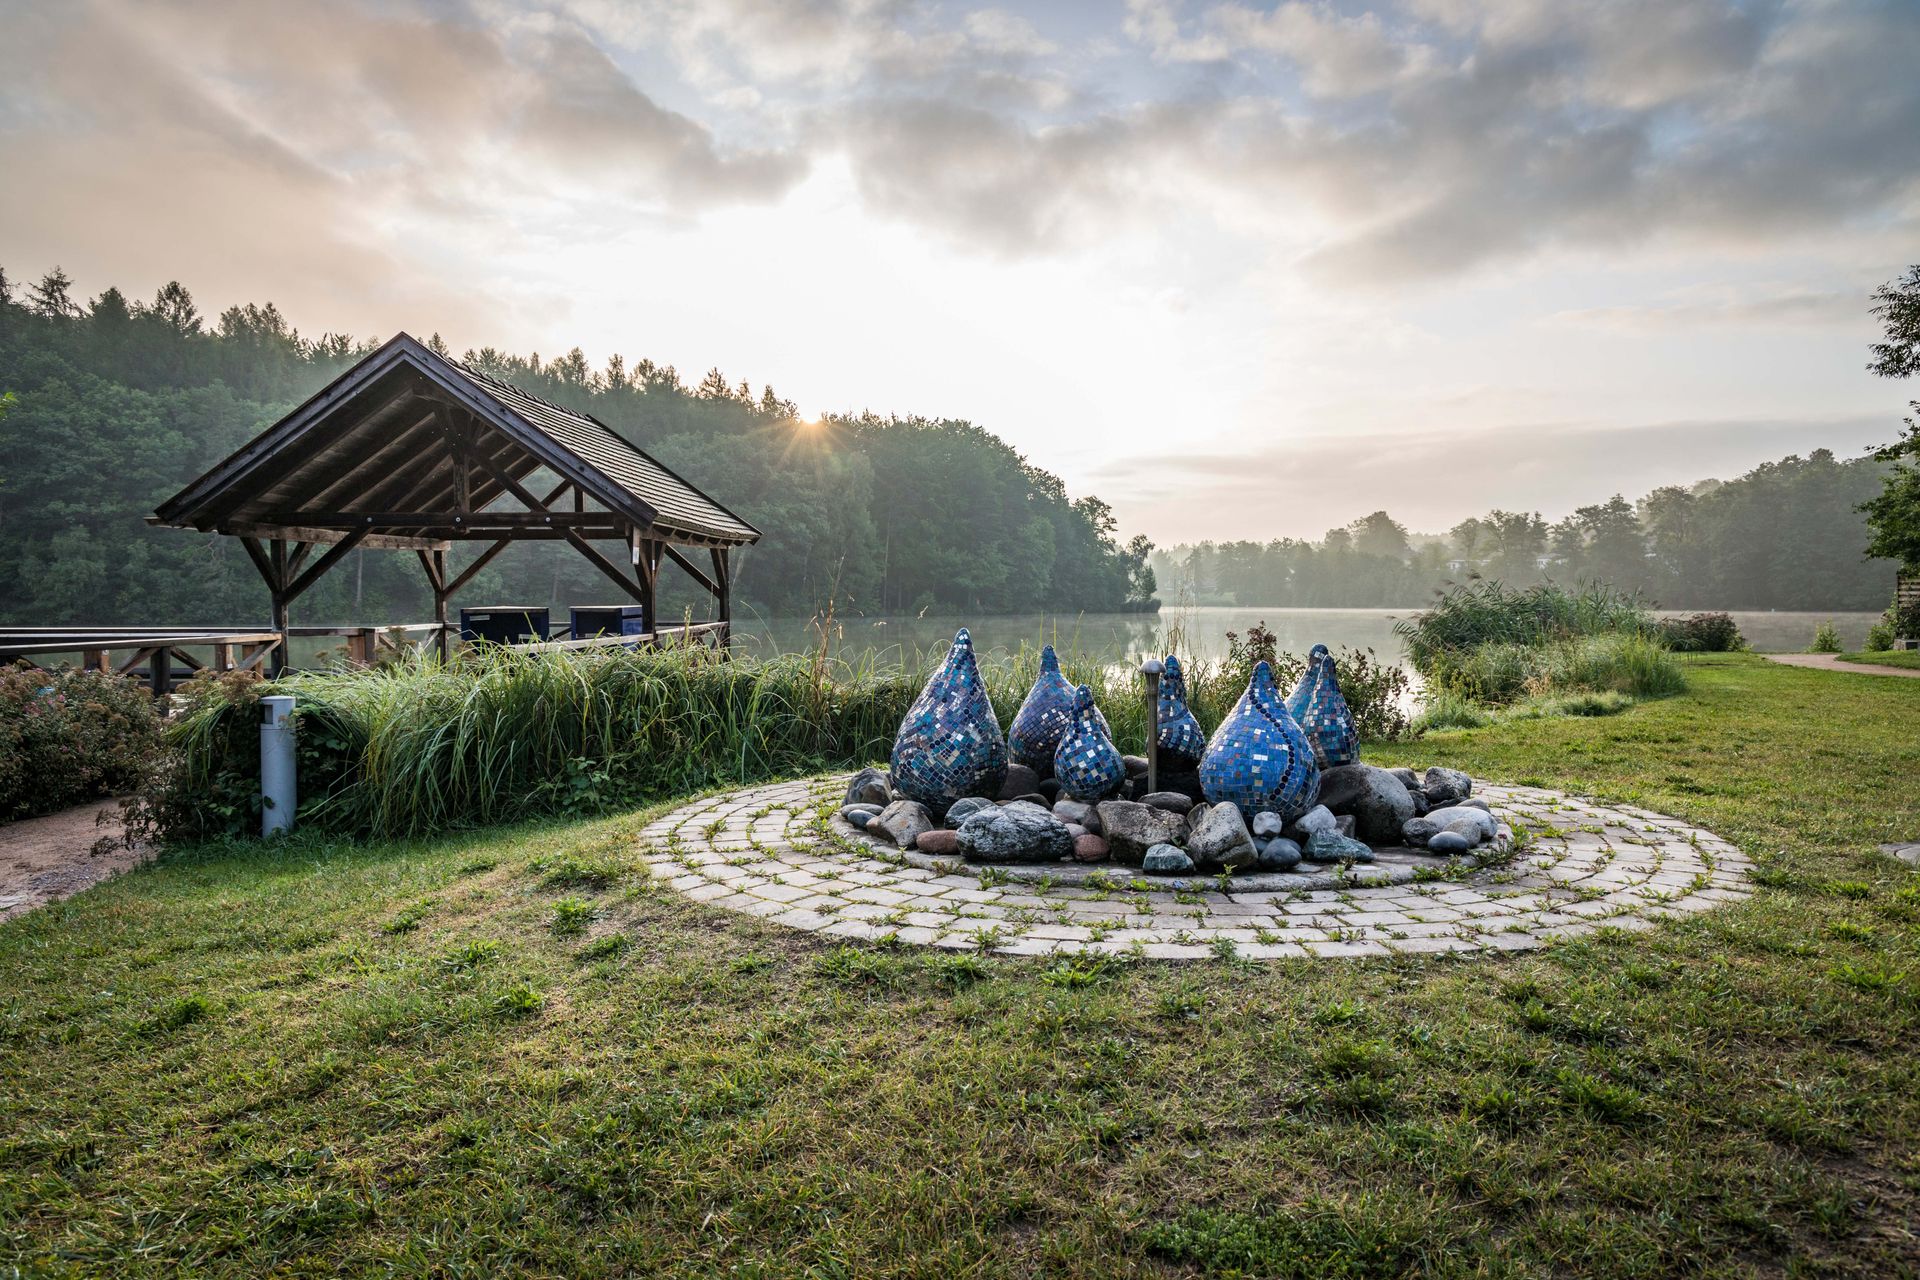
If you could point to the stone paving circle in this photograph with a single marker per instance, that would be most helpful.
(781, 852)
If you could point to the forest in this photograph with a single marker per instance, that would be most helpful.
(1786, 535)
(111, 405)
(115, 404)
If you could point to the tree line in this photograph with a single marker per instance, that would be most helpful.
(1786, 535)
(116, 404)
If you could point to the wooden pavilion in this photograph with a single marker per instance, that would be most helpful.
(411, 451)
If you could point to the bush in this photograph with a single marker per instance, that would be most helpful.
(1702, 633)
(1627, 663)
(1486, 612)
(71, 736)
(1826, 639)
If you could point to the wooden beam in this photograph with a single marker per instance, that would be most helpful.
(466, 574)
(713, 588)
(433, 564)
(307, 533)
(458, 518)
(637, 590)
(335, 554)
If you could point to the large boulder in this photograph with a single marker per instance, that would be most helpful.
(1014, 835)
(1481, 820)
(965, 807)
(1222, 839)
(939, 842)
(1446, 786)
(1166, 860)
(902, 822)
(1377, 800)
(1172, 801)
(1021, 780)
(869, 786)
(1331, 846)
(1073, 812)
(1132, 828)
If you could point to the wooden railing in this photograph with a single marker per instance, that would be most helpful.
(163, 657)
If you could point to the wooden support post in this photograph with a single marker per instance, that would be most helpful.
(444, 645)
(723, 597)
(360, 646)
(278, 582)
(223, 657)
(95, 660)
(160, 672)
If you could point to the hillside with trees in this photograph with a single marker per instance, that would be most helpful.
(117, 404)
(1786, 535)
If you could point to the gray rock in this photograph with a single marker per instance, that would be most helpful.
(1378, 802)
(859, 817)
(1267, 824)
(1024, 805)
(1418, 831)
(1475, 802)
(1165, 860)
(1472, 832)
(1076, 830)
(903, 821)
(1021, 779)
(870, 786)
(1446, 786)
(1050, 788)
(1136, 765)
(1344, 825)
(1448, 842)
(1009, 834)
(1420, 803)
(1172, 801)
(1132, 828)
(1408, 778)
(1073, 812)
(1318, 818)
(1444, 818)
(1196, 815)
(868, 809)
(1221, 840)
(1038, 798)
(1278, 854)
(1328, 846)
(961, 809)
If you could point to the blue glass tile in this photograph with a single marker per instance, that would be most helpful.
(1181, 741)
(950, 744)
(1087, 763)
(1259, 758)
(1322, 711)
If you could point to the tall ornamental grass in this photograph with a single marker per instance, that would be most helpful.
(1486, 612)
(498, 735)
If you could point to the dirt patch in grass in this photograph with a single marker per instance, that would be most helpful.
(46, 859)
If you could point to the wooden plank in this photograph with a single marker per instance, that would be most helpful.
(307, 533)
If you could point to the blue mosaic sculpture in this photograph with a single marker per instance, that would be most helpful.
(1045, 717)
(1321, 709)
(1259, 758)
(1180, 736)
(1087, 763)
(950, 745)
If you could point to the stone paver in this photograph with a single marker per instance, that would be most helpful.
(782, 853)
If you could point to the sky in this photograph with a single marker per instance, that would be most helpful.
(1245, 270)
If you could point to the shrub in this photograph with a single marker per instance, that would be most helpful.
(1826, 639)
(71, 736)
(1450, 709)
(1486, 612)
(1627, 663)
(1702, 633)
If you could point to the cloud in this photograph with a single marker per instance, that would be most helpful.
(1778, 308)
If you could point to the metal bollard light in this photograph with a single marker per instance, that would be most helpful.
(1151, 669)
(279, 791)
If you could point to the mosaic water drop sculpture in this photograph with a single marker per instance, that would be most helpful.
(1087, 763)
(1045, 717)
(950, 745)
(1181, 741)
(1322, 712)
(1259, 758)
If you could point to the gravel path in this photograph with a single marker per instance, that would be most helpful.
(1827, 662)
(46, 859)
(783, 853)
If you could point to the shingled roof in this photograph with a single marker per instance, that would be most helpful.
(379, 451)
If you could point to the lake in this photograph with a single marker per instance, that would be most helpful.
(1131, 636)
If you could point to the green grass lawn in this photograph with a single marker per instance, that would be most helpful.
(508, 1052)
(1889, 658)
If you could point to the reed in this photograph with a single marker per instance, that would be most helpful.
(499, 735)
